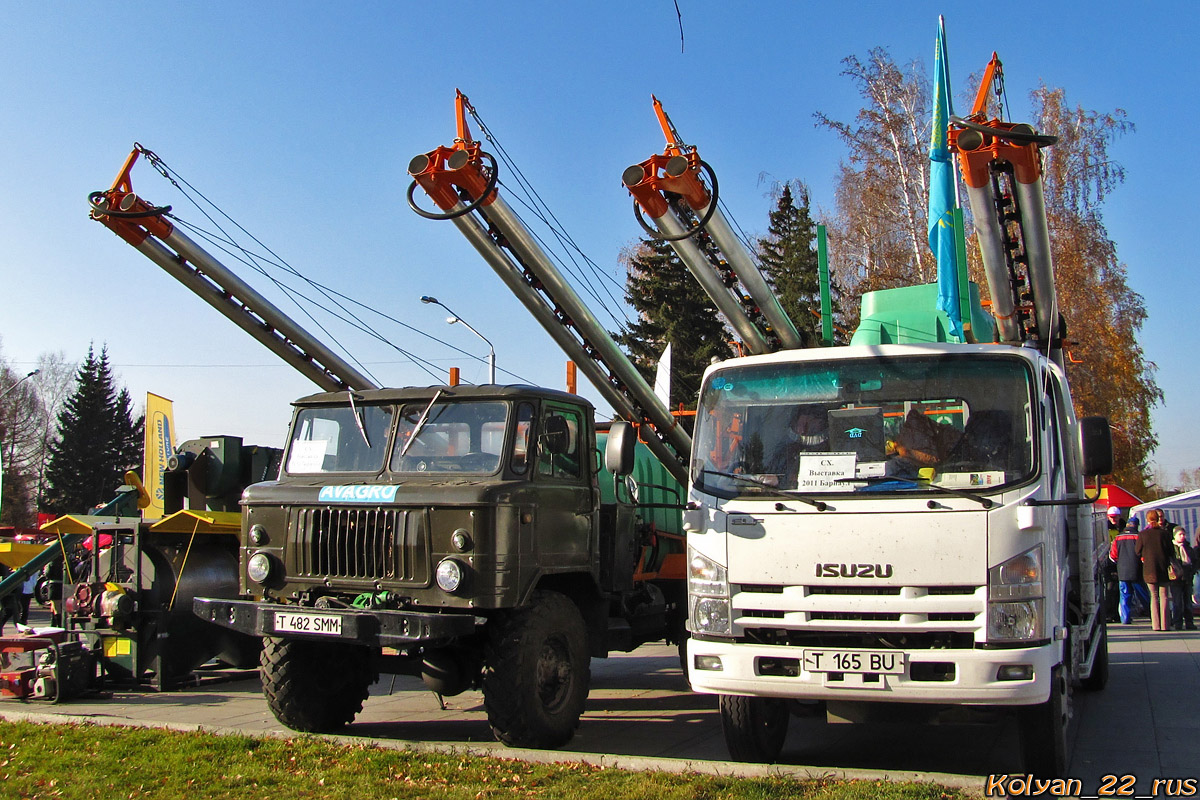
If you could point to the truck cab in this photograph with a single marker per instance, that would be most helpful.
(892, 528)
(455, 533)
(467, 502)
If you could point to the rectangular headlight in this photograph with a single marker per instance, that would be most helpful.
(706, 577)
(1017, 578)
(1016, 599)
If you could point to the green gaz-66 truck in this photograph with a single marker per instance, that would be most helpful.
(455, 533)
(468, 535)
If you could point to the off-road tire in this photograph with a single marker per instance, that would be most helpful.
(755, 727)
(315, 687)
(1042, 729)
(536, 673)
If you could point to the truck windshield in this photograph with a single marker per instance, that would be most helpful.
(329, 440)
(868, 425)
(457, 437)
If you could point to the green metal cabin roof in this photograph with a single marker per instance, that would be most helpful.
(909, 315)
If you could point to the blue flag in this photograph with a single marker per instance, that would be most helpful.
(941, 191)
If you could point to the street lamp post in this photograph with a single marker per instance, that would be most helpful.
(453, 318)
(18, 383)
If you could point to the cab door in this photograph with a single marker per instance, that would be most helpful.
(566, 516)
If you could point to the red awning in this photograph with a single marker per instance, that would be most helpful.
(1113, 495)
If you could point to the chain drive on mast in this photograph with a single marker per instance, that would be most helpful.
(1008, 216)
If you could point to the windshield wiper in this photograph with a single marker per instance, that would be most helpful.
(774, 491)
(986, 502)
(412, 437)
(358, 419)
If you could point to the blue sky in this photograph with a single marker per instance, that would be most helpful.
(299, 119)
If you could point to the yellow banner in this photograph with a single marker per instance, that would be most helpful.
(160, 446)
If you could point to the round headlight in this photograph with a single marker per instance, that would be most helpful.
(449, 575)
(258, 568)
(258, 535)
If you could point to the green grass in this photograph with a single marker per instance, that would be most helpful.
(93, 761)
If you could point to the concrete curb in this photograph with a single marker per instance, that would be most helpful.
(971, 784)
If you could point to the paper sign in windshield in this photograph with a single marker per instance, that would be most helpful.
(307, 456)
(970, 480)
(820, 472)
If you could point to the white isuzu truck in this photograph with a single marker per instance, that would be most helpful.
(924, 544)
(901, 526)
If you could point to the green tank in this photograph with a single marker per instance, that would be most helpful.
(659, 495)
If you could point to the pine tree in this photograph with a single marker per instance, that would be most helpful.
(671, 307)
(789, 258)
(98, 441)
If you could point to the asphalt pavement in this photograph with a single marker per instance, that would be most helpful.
(640, 715)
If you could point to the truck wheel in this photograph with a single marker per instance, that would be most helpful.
(41, 591)
(1043, 729)
(315, 687)
(680, 632)
(755, 727)
(536, 673)
(1099, 677)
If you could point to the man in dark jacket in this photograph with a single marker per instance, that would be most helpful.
(1123, 553)
(1154, 548)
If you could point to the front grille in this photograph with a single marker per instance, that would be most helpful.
(875, 591)
(860, 609)
(388, 545)
(872, 639)
(857, 616)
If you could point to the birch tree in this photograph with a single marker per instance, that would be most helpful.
(879, 233)
(878, 236)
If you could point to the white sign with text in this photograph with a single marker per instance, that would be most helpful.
(823, 471)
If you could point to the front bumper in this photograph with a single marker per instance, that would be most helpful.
(372, 628)
(973, 680)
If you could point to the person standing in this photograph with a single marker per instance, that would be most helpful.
(28, 588)
(1196, 577)
(1154, 549)
(10, 607)
(1116, 523)
(1123, 553)
(1111, 579)
(1182, 568)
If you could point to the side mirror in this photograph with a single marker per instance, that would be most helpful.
(556, 436)
(618, 451)
(1095, 445)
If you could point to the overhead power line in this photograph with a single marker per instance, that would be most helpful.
(334, 303)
